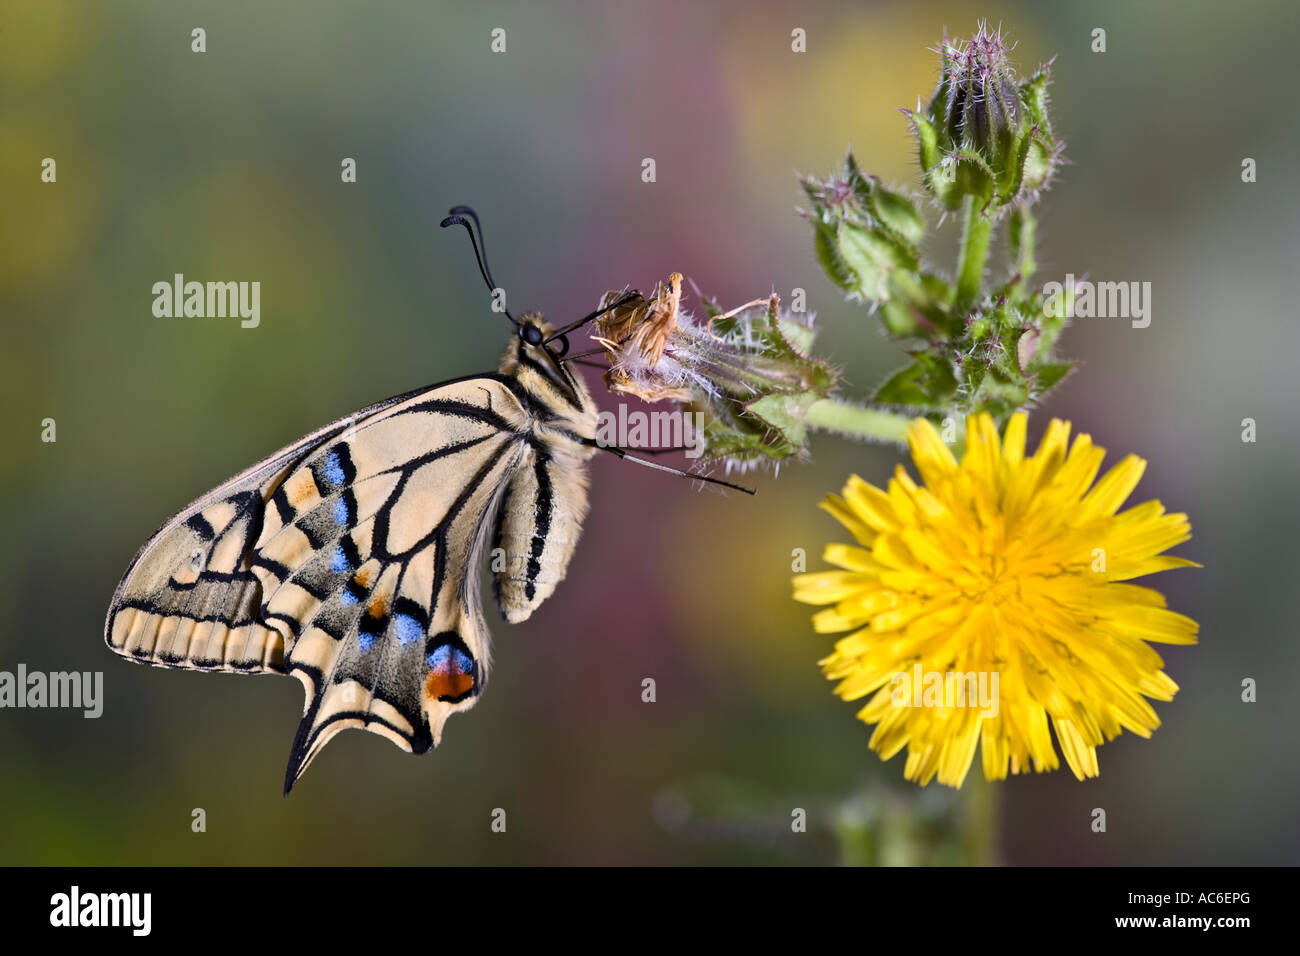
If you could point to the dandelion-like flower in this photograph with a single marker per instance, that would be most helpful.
(1001, 565)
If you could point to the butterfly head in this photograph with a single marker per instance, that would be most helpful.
(538, 335)
(536, 352)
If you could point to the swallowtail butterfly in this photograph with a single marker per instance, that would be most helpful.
(350, 559)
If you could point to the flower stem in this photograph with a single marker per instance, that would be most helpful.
(974, 251)
(832, 414)
(981, 821)
(1024, 228)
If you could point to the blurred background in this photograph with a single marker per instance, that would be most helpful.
(226, 166)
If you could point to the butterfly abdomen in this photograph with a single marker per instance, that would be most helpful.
(545, 501)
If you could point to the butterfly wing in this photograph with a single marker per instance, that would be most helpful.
(189, 598)
(350, 560)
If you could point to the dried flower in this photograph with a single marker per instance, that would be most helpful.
(635, 337)
(748, 370)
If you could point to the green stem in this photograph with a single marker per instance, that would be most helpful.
(833, 414)
(1023, 230)
(981, 820)
(974, 251)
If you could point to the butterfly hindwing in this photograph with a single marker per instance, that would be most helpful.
(392, 637)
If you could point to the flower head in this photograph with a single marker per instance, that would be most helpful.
(1000, 564)
(635, 336)
(749, 371)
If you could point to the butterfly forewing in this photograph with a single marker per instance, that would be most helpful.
(190, 598)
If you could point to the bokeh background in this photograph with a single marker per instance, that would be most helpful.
(225, 166)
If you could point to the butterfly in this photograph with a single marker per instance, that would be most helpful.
(351, 558)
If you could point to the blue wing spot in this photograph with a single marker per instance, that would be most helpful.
(452, 673)
(340, 562)
(440, 658)
(408, 629)
(447, 658)
(341, 516)
(347, 598)
(334, 470)
(367, 641)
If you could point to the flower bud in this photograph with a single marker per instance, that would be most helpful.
(863, 231)
(984, 134)
(978, 104)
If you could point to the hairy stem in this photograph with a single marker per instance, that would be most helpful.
(974, 251)
(832, 414)
(1023, 230)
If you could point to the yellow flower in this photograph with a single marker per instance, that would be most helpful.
(1002, 572)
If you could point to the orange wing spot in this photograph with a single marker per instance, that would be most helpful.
(301, 488)
(364, 577)
(451, 685)
(378, 605)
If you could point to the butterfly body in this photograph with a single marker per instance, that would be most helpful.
(351, 558)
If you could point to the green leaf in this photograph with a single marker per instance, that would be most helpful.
(871, 255)
(927, 141)
(898, 215)
(798, 336)
(928, 381)
(898, 320)
(1050, 374)
(829, 257)
(785, 413)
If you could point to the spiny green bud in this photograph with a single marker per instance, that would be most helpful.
(977, 103)
(863, 231)
(984, 134)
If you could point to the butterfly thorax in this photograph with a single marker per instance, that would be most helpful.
(554, 393)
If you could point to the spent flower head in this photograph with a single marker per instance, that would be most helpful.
(749, 370)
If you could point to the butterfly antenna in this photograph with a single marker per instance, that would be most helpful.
(613, 449)
(628, 297)
(457, 218)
